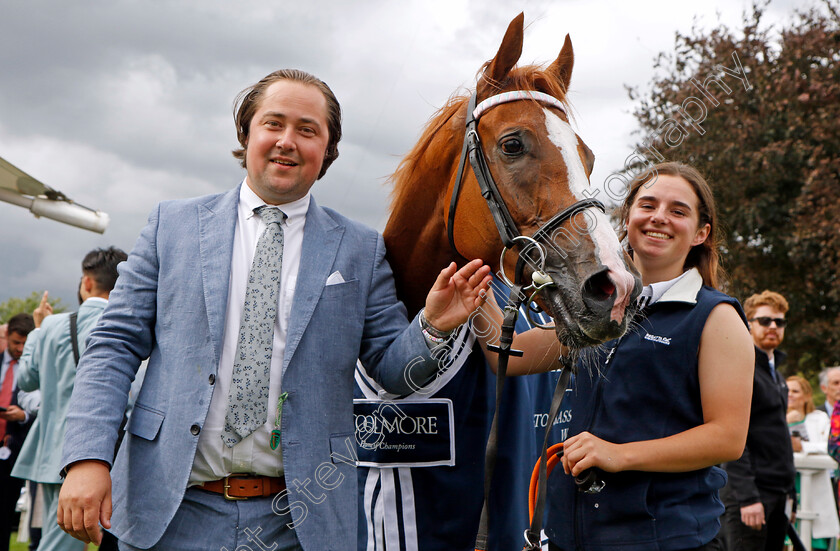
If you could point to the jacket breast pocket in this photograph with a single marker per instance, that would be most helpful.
(145, 422)
(343, 290)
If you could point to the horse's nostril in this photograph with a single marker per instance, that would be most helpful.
(599, 286)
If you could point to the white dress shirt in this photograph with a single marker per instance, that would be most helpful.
(653, 292)
(213, 459)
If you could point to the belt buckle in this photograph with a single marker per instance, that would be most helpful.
(226, 495)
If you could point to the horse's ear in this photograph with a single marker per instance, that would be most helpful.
(562, 66)
(588, 157)
(508, 54)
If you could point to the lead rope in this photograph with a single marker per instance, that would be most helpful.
(532, 535)
(504, 351)
(509, 234)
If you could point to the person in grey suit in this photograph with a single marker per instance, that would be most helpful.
(48, 364)
(242, 434)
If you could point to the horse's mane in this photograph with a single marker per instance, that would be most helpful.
(528, 77)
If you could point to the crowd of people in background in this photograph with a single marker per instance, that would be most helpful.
(16, 416)
(687, 418)
(41, 374)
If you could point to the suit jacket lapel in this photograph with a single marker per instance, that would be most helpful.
(321, 238)
(216, 225)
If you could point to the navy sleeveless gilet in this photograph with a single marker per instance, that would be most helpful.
(642, 387)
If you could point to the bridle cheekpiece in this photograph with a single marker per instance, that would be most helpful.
(508, 230)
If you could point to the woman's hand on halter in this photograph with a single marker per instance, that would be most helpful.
(456, 294)
(585, 450)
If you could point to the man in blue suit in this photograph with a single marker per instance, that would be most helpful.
(48, 364)
(192, 297)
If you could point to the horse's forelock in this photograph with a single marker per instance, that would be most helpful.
(527, 77)
(532, 77)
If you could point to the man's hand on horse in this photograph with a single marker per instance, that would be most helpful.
(456, 294)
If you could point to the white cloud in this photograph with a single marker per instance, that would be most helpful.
(121, 104)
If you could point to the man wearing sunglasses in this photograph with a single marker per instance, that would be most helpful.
(761, 481)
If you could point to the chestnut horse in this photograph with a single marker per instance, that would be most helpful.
(534, 170)
(540, 168)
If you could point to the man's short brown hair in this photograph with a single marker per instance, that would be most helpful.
(22, 324)
(766, 298)
(248, 101)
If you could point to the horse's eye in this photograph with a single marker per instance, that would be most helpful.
(512, 146)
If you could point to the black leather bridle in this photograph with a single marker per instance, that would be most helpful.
(511, 236)
(508, 230)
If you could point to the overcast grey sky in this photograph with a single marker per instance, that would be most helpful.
(121, 104)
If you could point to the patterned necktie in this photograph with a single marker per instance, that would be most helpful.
(248, 395)
(6, 394)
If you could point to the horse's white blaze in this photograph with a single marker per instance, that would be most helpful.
(562, 135)
(607, 246)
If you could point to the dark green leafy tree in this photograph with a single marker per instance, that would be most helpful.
(16, 305)
(757, 110)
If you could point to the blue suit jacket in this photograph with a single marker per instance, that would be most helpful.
(169, 305)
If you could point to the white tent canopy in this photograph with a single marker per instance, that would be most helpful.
(19, 188)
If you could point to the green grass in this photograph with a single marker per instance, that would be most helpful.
(17, 546)
(14, 545)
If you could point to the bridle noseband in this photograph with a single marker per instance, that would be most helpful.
(508, 230)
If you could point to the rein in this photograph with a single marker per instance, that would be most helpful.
(511, 236)
(504, 350)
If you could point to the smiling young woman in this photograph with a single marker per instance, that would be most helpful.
(660, 407)
(671, 209)
(654, 412)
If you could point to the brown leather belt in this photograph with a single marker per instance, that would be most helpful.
(244, 486)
